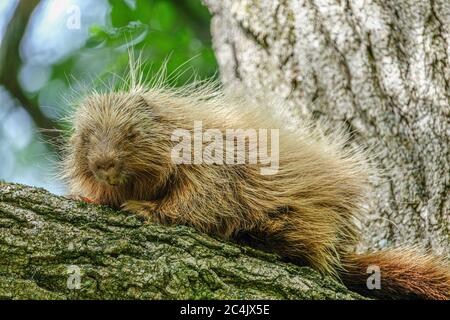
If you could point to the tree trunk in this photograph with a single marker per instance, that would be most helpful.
(55, 248)
(382, 69)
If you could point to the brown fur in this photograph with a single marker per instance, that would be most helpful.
(307, 212)
(405, 274)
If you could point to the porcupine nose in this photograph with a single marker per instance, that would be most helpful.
(108, 170)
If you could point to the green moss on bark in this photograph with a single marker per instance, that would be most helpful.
(46, 240)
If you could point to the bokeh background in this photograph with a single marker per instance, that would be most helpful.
(50, 47)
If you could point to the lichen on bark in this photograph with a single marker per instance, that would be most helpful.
(47, 241)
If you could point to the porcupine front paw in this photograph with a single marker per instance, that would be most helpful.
(144, 209)
(79, 198)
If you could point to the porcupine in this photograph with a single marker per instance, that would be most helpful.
(120, 154)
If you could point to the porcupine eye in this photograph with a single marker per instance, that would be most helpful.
(132, 135)
(85, 137)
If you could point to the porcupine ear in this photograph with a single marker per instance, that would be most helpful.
(144, 104)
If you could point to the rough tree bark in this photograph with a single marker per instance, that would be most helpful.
(381, 68)
(55, 248)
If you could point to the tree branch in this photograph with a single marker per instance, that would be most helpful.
(47, 241)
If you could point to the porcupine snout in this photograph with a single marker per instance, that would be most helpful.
(106, 167)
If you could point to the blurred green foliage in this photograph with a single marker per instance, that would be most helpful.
(175, 33)
(157, 30)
